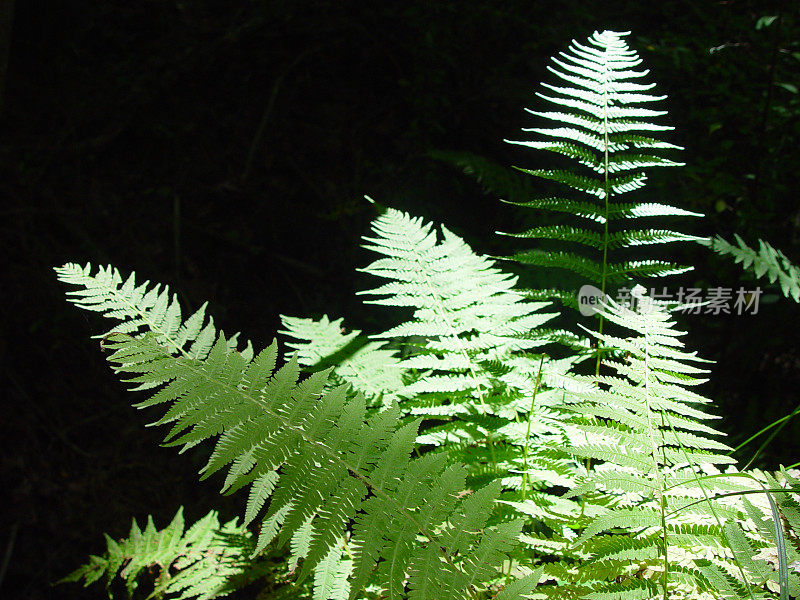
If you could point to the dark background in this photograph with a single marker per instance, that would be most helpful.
(225, 148)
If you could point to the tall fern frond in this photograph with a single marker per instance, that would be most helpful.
(328, 471)
(766, 261)
(657, 518)
(475, 345)
(601, 123)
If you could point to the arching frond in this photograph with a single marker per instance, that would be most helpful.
(323, 465)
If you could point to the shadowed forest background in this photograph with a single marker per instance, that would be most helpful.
(225, 148)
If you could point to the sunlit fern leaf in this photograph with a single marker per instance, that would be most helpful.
(465, 309)
(625, 239)
(323, 465)
(622, 272)
(586, 210)
(208, 560)
(142, 307)
(564, 233)
(600, 122)
(648, 495)
(367, 366)
(767, 261)
(466, 317)
(750, 553)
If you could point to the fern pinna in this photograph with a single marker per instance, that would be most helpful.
(657, 517)
(368, 366)
(602, 125)
(332, 475)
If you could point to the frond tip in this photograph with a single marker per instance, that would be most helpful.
(766, 261)
(600, 122)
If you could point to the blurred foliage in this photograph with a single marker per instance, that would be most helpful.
(178, 137)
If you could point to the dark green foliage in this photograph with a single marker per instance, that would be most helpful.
(313, 453)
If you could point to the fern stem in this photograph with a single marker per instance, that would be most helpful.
(606, 194)
(528, 431)
(654, 447)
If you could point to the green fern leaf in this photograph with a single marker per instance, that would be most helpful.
(209, 560)
(337, 469)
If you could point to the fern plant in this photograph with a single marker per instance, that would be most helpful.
(470, 364)
(381, 469)
(657, 516)
(331, 474)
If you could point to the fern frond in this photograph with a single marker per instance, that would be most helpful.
(465, 309)
(208, 560)
(584, 267)
(599, 121)
(767, 261)
(474, 359)
(331, 575)
(658, 518)
(367, 366)
(624, 271)
(323, 465)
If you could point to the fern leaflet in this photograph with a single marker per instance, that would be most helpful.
(208, 560)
